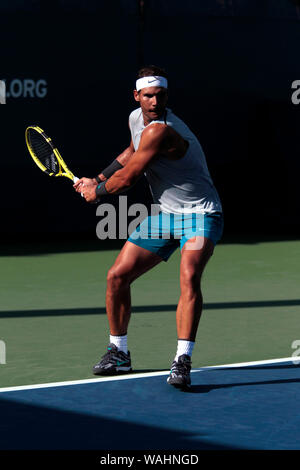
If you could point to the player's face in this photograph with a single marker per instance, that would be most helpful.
(153, 101)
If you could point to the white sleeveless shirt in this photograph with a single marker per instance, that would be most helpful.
(178, 186)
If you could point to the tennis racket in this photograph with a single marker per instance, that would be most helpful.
(45, 154)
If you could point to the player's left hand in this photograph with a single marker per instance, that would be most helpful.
(84, 182)
(89, 193)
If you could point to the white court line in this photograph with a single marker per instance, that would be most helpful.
(141, 375)
(245, 364)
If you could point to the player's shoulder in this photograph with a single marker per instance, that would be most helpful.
(156, 128)
(155, 132)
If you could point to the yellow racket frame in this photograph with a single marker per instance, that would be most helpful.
(63, 169)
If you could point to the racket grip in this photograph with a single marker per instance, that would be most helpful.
(75, 179)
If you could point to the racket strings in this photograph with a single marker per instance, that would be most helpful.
(43, 151)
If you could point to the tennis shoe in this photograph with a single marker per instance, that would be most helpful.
(113, 362)
(180, 372)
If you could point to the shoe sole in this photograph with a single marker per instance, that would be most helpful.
(120, 371)
(181, 385)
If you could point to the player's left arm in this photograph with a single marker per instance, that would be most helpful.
(151, 144)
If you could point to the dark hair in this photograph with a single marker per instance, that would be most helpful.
(149, 70)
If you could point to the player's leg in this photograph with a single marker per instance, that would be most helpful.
(146, 247)
(132, 262)
(193, 262)
(194, 257)
(200, 233)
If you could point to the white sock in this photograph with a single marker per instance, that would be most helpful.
(120, 342)
(184, 347)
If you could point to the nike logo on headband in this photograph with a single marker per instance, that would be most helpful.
(156, 80)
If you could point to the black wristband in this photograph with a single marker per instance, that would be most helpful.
(101, 190)
(97, 179)
(112, 168)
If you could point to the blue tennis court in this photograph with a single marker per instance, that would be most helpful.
(239, 406)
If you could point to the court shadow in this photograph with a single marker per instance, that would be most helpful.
(147, 308)
(251, 304)
(27, 426)
(82, 311)
(37, 246)
(206, 388)
(246, 238)
(34, 244)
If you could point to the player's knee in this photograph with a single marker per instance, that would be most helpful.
(116, 278)
(189, 279)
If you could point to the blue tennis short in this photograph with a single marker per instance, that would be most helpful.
(163, 233)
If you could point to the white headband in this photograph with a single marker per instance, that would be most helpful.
(155, 80)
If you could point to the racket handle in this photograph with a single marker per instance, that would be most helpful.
(75, 179)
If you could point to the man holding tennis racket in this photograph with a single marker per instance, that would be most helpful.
(164, 149)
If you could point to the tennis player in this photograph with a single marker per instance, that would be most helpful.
(190, 216)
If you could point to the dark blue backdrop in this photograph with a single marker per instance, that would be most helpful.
(70, 67)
